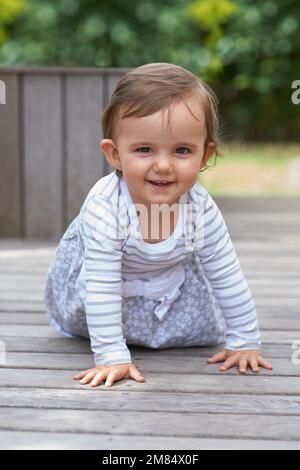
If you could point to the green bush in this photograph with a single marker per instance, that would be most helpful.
(248, 51)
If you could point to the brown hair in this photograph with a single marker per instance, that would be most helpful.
(151, 87)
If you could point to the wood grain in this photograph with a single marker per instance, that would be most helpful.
(184, 403)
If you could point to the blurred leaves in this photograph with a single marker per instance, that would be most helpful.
(248, 50)
(9, 11)
(210, 14)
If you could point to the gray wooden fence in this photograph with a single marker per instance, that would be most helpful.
(50, 156)
(49, 149)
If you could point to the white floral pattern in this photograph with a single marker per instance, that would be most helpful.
(193, 319)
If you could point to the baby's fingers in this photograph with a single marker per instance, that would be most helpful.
(243, 365)
(135, 374)
(89, 376)
(81, 374)
(218, 357)
(265, 363)
(230, 362)
(112, 376)
(253, 364)
(99, 377)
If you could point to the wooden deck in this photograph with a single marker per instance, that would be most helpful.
(184, 403)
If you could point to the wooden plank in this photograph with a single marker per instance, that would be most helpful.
(39, 376)
(278, 323)
(29, 264)
(84, 101)
(12, 318)
(17, 296)
(11, 165)
(280, 337)
(16, 248)
(258, 204)
(248, 384)
(249, 246)
(71, 346)
(264, 274)
(29, 330)
(272, 263)
(270, 302)
(40, 318)
(261, 236)
(15, 440)
(43, 163)
(264, 227)
(271, 259)
(147, 401)
(276, 312)
(28, 285)
(278, 217)
(55, 70)
(16, 245)
(155, 424)
(12, 306)
(44, 331)
(51, 345)
(34, 273)
(167, 364)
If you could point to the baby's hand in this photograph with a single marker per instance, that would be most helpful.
(110, 373)
(242, 359)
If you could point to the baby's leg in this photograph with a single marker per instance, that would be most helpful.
(63, 291)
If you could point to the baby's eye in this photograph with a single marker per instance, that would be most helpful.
(185, 148)
(140, 149)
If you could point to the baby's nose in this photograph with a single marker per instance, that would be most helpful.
(164, 161)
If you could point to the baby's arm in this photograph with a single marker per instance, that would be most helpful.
(103, 258)
(222, 268)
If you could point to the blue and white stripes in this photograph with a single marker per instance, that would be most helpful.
(222, 268)
(107, 258)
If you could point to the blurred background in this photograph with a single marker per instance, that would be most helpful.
(247, 51)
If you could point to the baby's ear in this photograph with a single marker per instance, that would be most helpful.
(111, 153)
(107, 145)
(210, 149)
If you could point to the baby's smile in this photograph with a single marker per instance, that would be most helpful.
(160, 185)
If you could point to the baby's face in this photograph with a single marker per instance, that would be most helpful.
(147, 149)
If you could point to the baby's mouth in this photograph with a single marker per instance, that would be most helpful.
(160, 183)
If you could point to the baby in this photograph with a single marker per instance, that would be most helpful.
(122, 274)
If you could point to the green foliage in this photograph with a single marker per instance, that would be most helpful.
(248, 50)
(210, 14)
(100, 33)
(9, 11)
(260, 51)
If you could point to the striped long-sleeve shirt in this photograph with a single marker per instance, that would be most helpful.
(113, 249)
